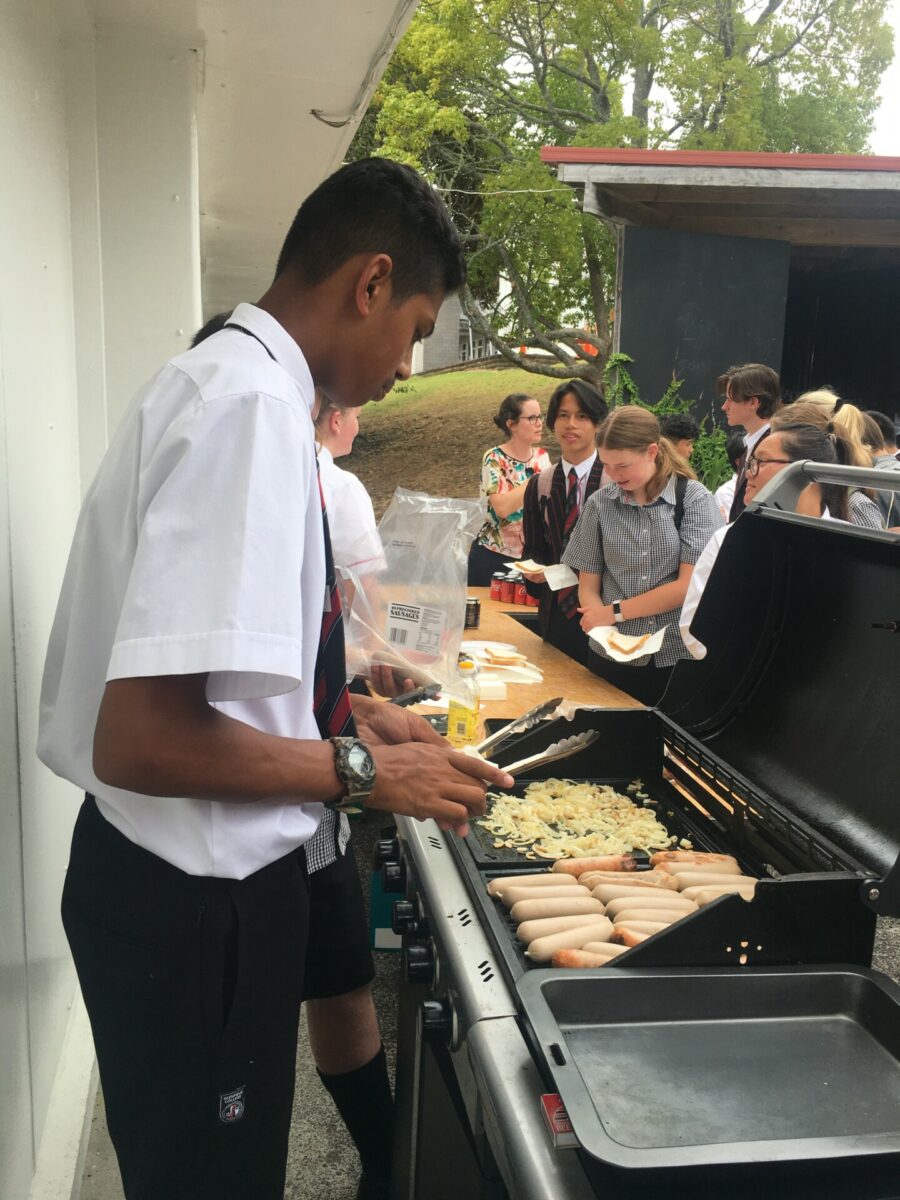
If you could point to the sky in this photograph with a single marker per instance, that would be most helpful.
(886, 136)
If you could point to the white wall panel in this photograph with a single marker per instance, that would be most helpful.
(39, 400)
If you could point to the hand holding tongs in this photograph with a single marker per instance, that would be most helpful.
(562, 749)
(527, 721)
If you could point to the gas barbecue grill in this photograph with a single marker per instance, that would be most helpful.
(750, 1046)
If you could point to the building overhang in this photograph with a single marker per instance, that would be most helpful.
(809, 200)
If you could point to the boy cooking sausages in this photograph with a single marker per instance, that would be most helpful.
(194, 688)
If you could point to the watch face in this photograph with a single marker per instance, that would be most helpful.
(359, 759)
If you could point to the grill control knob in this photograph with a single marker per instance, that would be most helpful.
(387, 848)
(405, 919)
(393, 877)
(436, 1020)
(419, 962)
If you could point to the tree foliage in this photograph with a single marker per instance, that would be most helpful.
(476, 87)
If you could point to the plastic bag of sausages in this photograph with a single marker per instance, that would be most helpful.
(407, 617)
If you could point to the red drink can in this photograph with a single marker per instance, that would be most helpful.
(497, 585)
(521, 592)
(507, 590)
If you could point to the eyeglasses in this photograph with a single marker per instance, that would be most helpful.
(753, 464)
(537, 419)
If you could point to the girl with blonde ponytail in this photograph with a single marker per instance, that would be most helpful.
(635, 546)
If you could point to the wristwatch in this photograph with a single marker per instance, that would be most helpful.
(355, 767)
(618, 615)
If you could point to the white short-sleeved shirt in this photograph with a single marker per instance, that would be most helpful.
(199, 548)
(355, 544)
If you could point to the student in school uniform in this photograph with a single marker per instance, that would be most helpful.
(635, 546)
(752, 396)
(195, 689)
(553, 501)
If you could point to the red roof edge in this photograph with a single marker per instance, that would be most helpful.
(618, 156)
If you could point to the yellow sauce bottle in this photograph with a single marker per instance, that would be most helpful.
(462, 710)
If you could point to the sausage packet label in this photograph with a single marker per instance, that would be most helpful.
(418, 627)
(557, 1121)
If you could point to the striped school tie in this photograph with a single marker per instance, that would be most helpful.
(568, 597)
(331, 699)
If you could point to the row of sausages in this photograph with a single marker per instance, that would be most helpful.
(584, 912)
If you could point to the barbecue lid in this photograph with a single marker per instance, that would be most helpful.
(800, 688)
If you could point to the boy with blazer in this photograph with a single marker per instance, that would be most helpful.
(553, 502)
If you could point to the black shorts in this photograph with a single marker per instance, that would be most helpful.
(338, 959)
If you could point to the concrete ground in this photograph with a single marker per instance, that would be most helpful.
(322, 1162)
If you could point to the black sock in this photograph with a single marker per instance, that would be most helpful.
(363, 1098)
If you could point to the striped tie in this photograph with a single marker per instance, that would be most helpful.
(568, 597)
(331, 699)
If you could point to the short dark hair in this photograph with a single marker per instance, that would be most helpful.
(510, 409)
(885, 424)
(734, 448)
(753, 379)
(676, 426)
(376, 206)
(213, 325)
(588, 398)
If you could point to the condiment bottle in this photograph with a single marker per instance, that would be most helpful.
(462, 709)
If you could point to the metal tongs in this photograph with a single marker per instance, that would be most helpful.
(562, 749)
(521, 724)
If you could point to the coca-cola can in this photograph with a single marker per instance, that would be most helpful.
(496, 585)
(508, 589)
(521, 592)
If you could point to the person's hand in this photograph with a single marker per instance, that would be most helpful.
(596, 614)
(380, 724)
(425, 780)
(533, 576)
(388, 681)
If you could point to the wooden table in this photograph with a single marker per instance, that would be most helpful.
(562, 675)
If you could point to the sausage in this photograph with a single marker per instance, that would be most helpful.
(581, 958)
(608, 862)
(545, 879)
(704, 868)
(708, 879)
(543, 949)
(706, 895)
(611, 891)
(677, 904)
(627, 935)
(662, 856)
(608, 949)
(556, 906)
(529, 931)
(635, 879)
(511, 895)
(660, 916)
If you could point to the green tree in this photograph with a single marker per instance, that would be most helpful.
(476, 87)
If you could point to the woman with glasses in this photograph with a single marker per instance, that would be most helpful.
(635, 546)
(784, 445)
(505, 471)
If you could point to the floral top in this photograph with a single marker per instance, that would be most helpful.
(501, 473)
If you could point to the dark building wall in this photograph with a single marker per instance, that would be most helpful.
(693, 304)
(842, 328)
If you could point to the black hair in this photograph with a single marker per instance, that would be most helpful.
(734, 448)
(885, 424)
(213, 325)
(589, 399)
(676, 426)
(376, 206)
(510, 409)
(749, 380)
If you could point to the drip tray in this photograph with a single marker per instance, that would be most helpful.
(667, 1068)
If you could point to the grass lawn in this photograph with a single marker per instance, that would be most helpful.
(430, 434)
